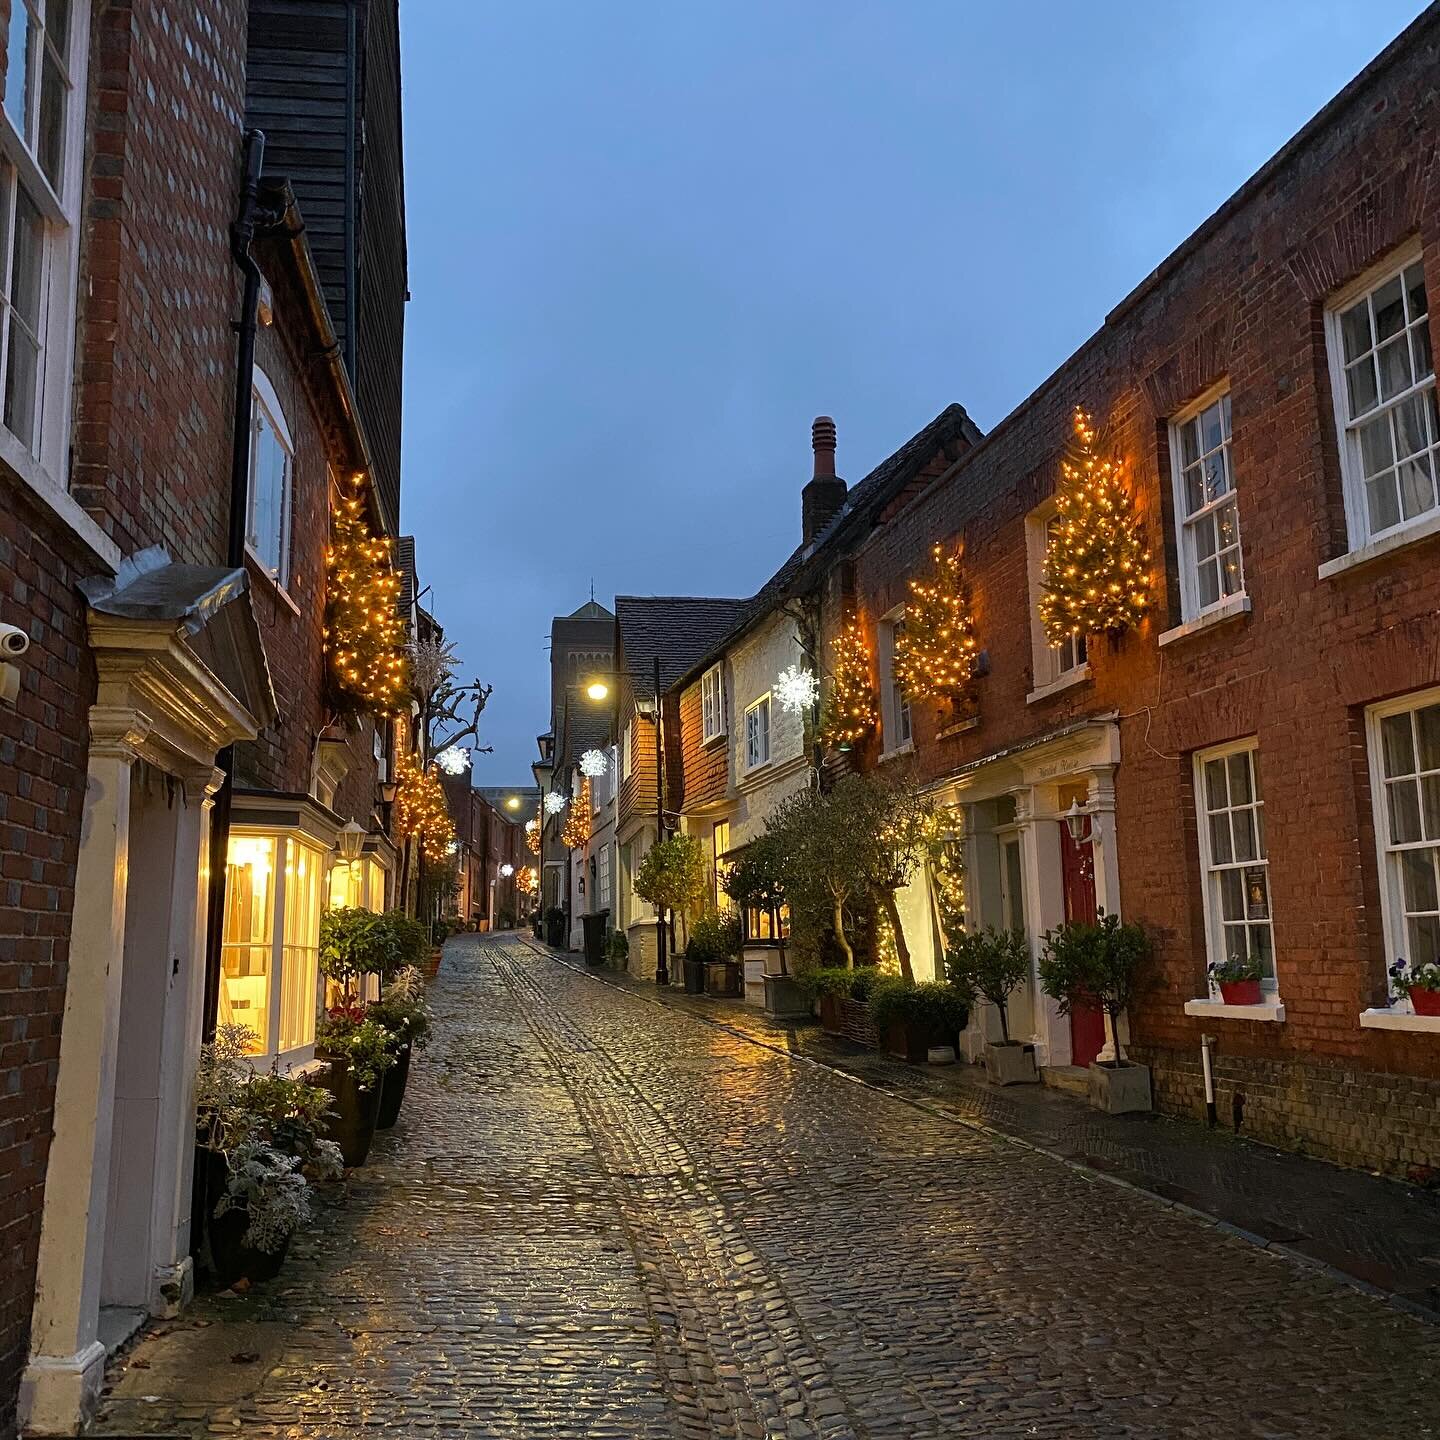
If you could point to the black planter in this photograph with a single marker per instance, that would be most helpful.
(597, 927)
(231, 1259)
(555, 931)
(352, 1126)
(392, 1090)
(694, 976)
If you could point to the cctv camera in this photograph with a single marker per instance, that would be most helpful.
(13, 640)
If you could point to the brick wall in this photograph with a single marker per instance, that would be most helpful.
(43, 744)
(1243, 299)
(158, 289)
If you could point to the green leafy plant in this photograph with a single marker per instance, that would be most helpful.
(840, 981)
(355, 943)
(928, 1005)
(863, 979)
(1233, 969)
(267, 1185)
(346, 1032)
(1407, 977)
(1101, 963)
(714, 937)
(991, 963)
(673, 876)
(617, 947)
(402, 1010)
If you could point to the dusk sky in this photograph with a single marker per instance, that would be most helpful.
(650, 241)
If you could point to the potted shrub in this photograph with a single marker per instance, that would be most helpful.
(258, 1148)
(355, 943)
(713, 948)
(843, 997)
(359, 1051)
(1101, 963)
(913, 1017)
(994, 964)
(401, 1009)
(1420, 982)
(555, 928)
(617, 949)
(1237, 979)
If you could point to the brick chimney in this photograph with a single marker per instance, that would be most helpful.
(821, 499)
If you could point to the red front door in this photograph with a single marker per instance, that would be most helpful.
(1077, 870)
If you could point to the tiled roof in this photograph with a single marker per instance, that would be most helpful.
(680, 629)
(587, 728)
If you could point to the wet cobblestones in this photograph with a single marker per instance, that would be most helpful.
(602, 1218)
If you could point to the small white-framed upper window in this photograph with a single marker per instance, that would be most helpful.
(41, 164)
(757, 733)
(712, 704)
(1230, 809)
(1405, 783)
(1051, 663)
(272, 469)
(1383, 377)
(896, 720)
(1207, 517)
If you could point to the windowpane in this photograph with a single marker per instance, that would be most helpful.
(1215, 790)
(1389, 310)
(1205, 538)
(1412, 433)
(1355, 330)
(1382, 501)
(1232, 895)
(27, 270)
(57, 24)
(1417, 879)
(1427, 726)
(1430, 805)
(1395, 374)
(1241, 825)
(1415, 291)
(1397, 745)
(247, 936)
(1262, 949)
(1404, 798)
(1240, 779)
(1220, 849)
(1209, 584)
(1424, 932)
(1417, 487)
(298, 979)
(22, 375)
(1194, 488)
(1377, 448)
(1420, 344)
(18, 78)
(50, 146)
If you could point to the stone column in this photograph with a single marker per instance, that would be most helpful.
(1100, 799)
(1044, 909)
(61, 1384)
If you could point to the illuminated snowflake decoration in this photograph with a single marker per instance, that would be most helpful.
(453, 848)
(507, 871)
(454, 761)
(531, 826)
(796, 689)
(594, 764)
(554, 803)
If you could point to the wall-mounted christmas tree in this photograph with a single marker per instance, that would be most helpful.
(576, 834)
(1097, 564)
(850, 709)
(364, 632)
(420, 810)
(936, 653)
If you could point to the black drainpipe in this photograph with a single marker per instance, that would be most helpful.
(242, 232)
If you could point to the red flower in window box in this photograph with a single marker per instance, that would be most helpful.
(1240, 992)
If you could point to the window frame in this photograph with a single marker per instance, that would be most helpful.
(712, 705)
(1392, 903)
(754, 708)
(897, 716)
(1352, 477)
(1186, 553)
(263, 398)
(1047, 669)
(1211, 869)
(43, 463)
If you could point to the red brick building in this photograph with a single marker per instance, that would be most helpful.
(1258, 764)
(153, 649)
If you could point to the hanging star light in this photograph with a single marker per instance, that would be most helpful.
(796, 689)
(936, 653)
(364, 632)
(554, 803)
(526, 881)
(851, 712)
(1097, 564)
(453, 760)
(593, 764)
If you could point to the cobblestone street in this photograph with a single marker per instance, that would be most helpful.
(601, 1217)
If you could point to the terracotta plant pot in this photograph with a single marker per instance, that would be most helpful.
(352, 1126)
(231, 1259)
(1240, 992)
(1425, 1002)
(392, 1090)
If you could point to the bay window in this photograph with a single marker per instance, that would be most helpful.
(270, 945)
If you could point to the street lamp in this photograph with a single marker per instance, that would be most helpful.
(513, 803)
(1077, 822)
(597, 690)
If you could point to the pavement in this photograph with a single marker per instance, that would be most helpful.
(604, 1216)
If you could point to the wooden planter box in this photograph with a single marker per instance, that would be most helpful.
(848, 1020)
(722, 978)
(912, 1043)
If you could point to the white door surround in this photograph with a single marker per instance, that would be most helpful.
(160, 717)
(1032, 776)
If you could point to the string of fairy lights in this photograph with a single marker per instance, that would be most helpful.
(852, 710)
(576, 834)
(936, 653)
(421, 812)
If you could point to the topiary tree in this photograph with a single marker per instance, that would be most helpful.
(991, 963)
(673, 876)
(354, 943)
(1101, 963)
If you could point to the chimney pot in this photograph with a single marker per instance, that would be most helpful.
(822, 439)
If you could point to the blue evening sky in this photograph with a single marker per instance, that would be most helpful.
(651, 239)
